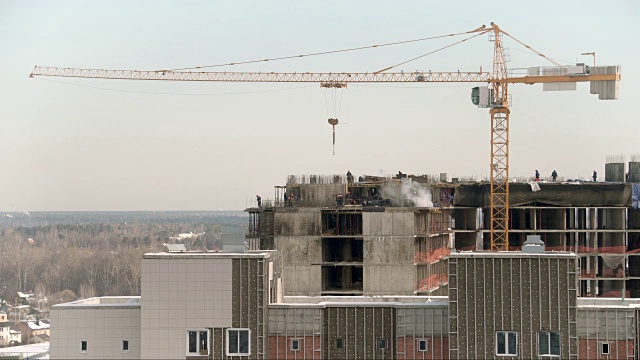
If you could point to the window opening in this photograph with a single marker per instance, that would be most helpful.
(604, 348)
(295, 344)
(238, 342)
(338, 343)
(549, 343)
(197, 342)
(382, 344)
(422, 345)
(83, 345)
(507, 343)
(125, 345)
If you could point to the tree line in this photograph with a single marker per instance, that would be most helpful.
(95, 259)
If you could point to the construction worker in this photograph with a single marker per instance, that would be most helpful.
(537, 176)
(349, 177)
(595, 176)
(259, 201)
(554, 175)
(286, 197)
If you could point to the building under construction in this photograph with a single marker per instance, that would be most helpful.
(387, 268)
(341, 237)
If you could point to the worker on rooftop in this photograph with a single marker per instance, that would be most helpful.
(259, 201)
(595, 176)
(554, 175)
(537, 176)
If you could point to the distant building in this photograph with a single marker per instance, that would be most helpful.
(31, 329)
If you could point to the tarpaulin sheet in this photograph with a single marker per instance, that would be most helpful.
(636, 196)
(587, 194)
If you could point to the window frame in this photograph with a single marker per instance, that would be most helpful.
(506, 342)
(122, 345)
(339, 343)
(291, 342)
(602, 343)
(381, 341)
(86, 346)
(248, 331)
(426, 345)
(549, 354)
(198, 333)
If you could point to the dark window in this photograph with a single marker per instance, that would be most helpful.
(422, 345)
(193, 341)
(549, 343)
(238, 342)
(382, 344)
(125, 345)
(198, 342)
(83, 345)
(338, 343)
(203, 342)
(604, 348)
(506, 343)
(295, 344)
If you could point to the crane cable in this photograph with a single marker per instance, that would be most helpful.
(434, 51)
(532, 49)
(481, 28)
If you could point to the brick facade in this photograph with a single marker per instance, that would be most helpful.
(437, 347)
(618, 349)
(280, 347)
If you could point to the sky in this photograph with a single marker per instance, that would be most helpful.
(89, 144)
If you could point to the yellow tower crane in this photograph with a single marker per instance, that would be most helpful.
(495, 96)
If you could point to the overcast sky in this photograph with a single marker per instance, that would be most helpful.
(82, 144)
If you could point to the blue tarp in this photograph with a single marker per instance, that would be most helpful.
(635, 196)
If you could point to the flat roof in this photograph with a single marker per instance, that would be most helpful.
(511, 254)
(205, 255)
(122, 302)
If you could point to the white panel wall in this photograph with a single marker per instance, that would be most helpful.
(181, 294)
(102, 328)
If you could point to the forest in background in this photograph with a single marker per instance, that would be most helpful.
(95, 253)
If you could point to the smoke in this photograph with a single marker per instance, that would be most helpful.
(407, 194)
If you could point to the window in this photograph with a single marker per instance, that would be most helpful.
(295, 344)
(382, 344)
(549, 343)
(604, 348)
(507, 343)
(338, 343)
(125, 345)
(197, 342)
(422, 345)
(83, 346)
(238, 343)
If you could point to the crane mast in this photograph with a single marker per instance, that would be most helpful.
(604, 82)
(499, 192)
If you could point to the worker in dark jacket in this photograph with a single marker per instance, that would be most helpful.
(537, 176)
(554, 175)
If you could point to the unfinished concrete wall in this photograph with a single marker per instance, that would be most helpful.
(391, 222)
(634, 172)
(388, 251)
(614, 172)
(297, 221)
(301, 258)
(388, 265)
(319, 195)
(521, 293)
